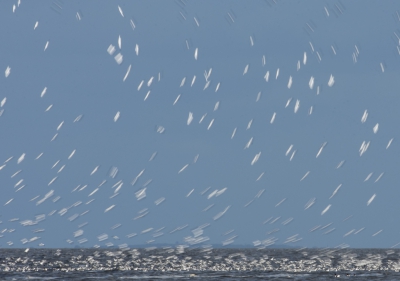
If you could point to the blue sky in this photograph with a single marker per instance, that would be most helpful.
(354, 42)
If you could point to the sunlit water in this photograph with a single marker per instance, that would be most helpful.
(179, 264)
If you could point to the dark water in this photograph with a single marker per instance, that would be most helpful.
(199, 264)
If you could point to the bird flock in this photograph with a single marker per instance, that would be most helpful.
(260, 152)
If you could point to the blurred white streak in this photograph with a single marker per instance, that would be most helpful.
(376, 128)
(233, 133)
(331, 81)
(120, 11)
(364, 117)
(260, 176)
(335, 191)
(326, 209)
(389, 143)
(176, 100)
(309, 203)
(127, 73)
(183, 168)
(290, 82)
(116, 117)
(246, 69)
(8, 71)
(273, 118)
(43, 92)
(21, 158)
(306, 174)
(211, 123)
(190, 118)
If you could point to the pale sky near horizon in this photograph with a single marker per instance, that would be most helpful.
(258, 163)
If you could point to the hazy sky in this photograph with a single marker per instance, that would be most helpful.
(267, 144)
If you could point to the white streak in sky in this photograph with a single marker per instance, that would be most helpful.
(127, 73)
(326, 209)
(371, 199)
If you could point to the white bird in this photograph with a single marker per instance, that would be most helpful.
(333, 50)
(389, 143)
(266, 77)
(7, 72)
(190, 118)
(376, 128)
(326, 11)
(140, 85)
(246, 68)
(273, 118)
(132, 24)
(368, 177)
(309, 203)
(234, 132)
(36, 25)
(43, 92)
(150, 81)
(248, 143)
(120, 11)
(94, 170)
(249, 124)
(127, 73)
(256, 157)
(21, 158)
(183, 168)
(290, 82)
(116, 117)
(371, 199)
(211, 123)
(306, 174)
(216, 88)
(111, 50)
(196, 21)
(119, 58)
(137, 49)
(311, 83)
(331, 81)
(72, 154)
(45, 47)
(183, 82)
(147, 95)
(109, 208)
(296, 106)
(335, 191)
(364, 117)
(321, 148)
(326, 209)
(176, 100)
(258, 97)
